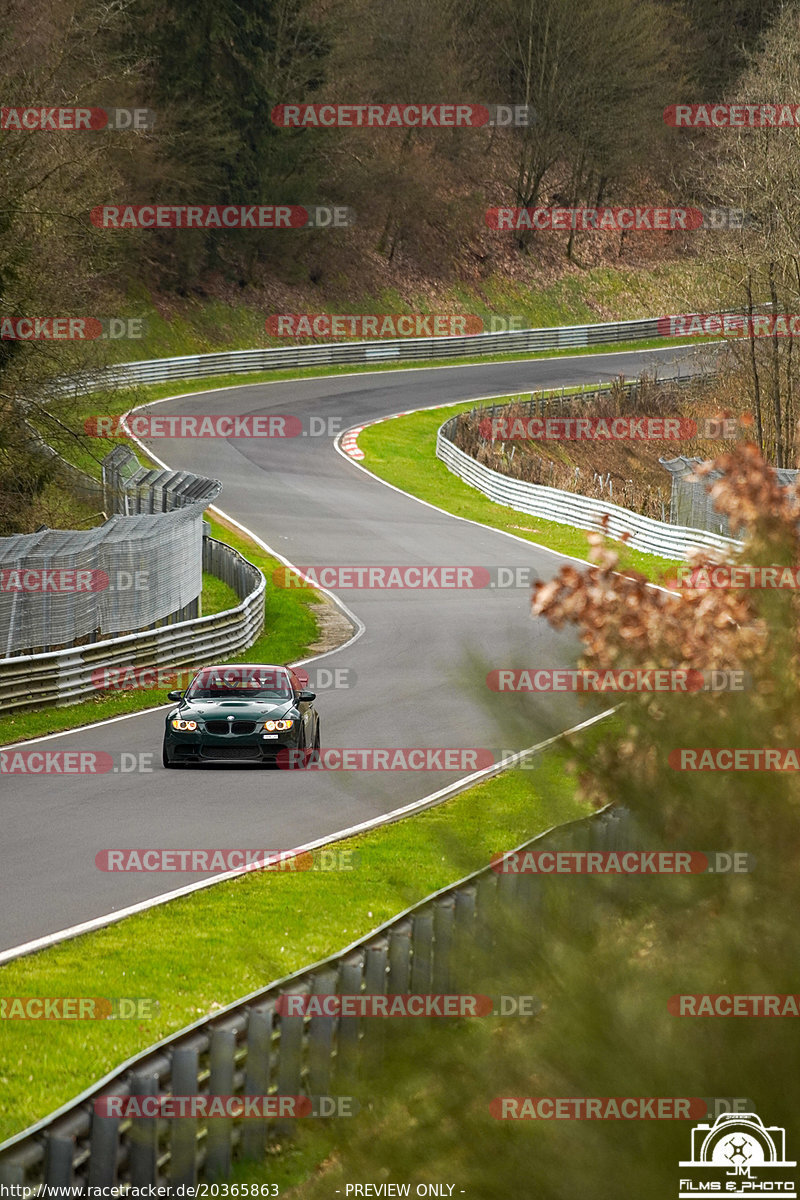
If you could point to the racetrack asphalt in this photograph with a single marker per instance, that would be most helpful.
(419, 665)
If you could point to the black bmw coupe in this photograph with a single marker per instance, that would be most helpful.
(242, 713)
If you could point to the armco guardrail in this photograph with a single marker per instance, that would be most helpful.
(250, 1049)
(64, 676)
(237, 362)
(570, 508)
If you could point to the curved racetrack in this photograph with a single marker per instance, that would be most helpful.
(418, 678)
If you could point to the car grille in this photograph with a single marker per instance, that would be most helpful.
(222, 727)
(247, 752)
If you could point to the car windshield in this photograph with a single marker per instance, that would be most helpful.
(240, 684)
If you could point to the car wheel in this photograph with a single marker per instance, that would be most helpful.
(316, 751)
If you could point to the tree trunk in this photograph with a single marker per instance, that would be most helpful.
(754, 366)
(776, 373)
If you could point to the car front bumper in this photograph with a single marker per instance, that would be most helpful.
(200, 746)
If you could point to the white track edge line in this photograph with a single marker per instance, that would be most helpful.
(429, 801)
(469, 520)
(432, 798)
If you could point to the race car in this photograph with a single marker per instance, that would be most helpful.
(251, 712)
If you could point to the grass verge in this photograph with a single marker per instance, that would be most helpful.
(290, 627)
(226, 941)
(87, 453)
(402, 451)
(394, 454)
(196, 325)
(217, 596)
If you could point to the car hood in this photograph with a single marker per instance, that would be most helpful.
(241, 710)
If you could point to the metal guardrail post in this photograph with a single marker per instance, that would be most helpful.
(444, 915)
(400, 958)
(320, 1038)
(614, 833)
(104, 1147)
(257, 1076)
(463, 954)
(376, 982)
(143, 1136)
(290, 1057)
(222, 1054)
(183, 1130)
(422, 951)
(351, 975)
(533, 899)
(485, 911)
(58, 1158)
(507, 886)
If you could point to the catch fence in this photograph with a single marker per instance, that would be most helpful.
(140, 569)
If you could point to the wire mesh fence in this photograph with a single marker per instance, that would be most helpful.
(691, 503)
(140, 569)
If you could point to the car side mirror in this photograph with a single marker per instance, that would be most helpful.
(174, 695)
(307, 696)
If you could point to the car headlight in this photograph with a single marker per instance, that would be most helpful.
(177, 723)
(270, 725)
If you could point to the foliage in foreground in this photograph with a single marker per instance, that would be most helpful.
(606, 953)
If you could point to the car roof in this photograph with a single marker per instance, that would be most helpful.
(242, 666)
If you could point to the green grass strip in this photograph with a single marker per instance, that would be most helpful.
(217, 596)
(206, 950)
(87, 454)
(403, 452)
